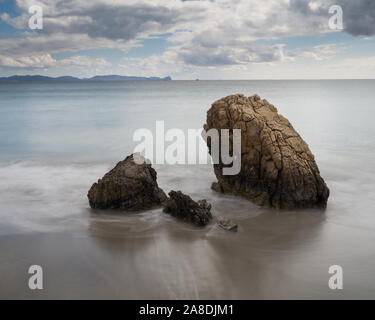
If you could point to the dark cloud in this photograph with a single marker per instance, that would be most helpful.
(115, 22)
(125, 22)
(358, 15)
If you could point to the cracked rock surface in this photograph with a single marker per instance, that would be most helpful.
(128, 186)
(277, 166)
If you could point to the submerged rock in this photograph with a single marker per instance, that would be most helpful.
(277, 166)
(128, 186)
(183, 207)
(227, 225)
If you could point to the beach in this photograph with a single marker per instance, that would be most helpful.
(57, 139)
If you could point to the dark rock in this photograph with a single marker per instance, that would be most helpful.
(227, 225)
(183, 207)
(277, 166)
(128, 186)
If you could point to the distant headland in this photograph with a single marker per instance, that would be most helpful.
(38, 78)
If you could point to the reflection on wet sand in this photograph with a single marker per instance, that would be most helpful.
(188, 262)
(150, 255)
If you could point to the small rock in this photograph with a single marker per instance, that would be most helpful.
(128, 186)
(228, 225)
(183, 207)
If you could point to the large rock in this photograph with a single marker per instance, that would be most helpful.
(277, 166)
(183, 207)
(128, 186)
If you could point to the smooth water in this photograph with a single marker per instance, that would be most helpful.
(57, 139)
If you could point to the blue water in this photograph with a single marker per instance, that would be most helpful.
(57, 139)
(88, 121)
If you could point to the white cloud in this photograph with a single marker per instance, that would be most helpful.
(84, 62)
(36, 61)
(321, 52)
(46, 61)
(218, 34)
(33, 44)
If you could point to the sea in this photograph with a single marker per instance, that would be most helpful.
(57, 139)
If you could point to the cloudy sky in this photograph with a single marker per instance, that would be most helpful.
(216, 39)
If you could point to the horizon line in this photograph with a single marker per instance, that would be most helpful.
(196, 79)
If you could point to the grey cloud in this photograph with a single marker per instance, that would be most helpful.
(115, 22)
(358, 15)
(124, 22)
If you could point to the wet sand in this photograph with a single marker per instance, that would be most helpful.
(152, 256)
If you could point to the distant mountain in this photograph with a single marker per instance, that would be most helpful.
(122, 78)
(38, 78)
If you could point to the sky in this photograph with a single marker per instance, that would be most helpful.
(204, 39)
